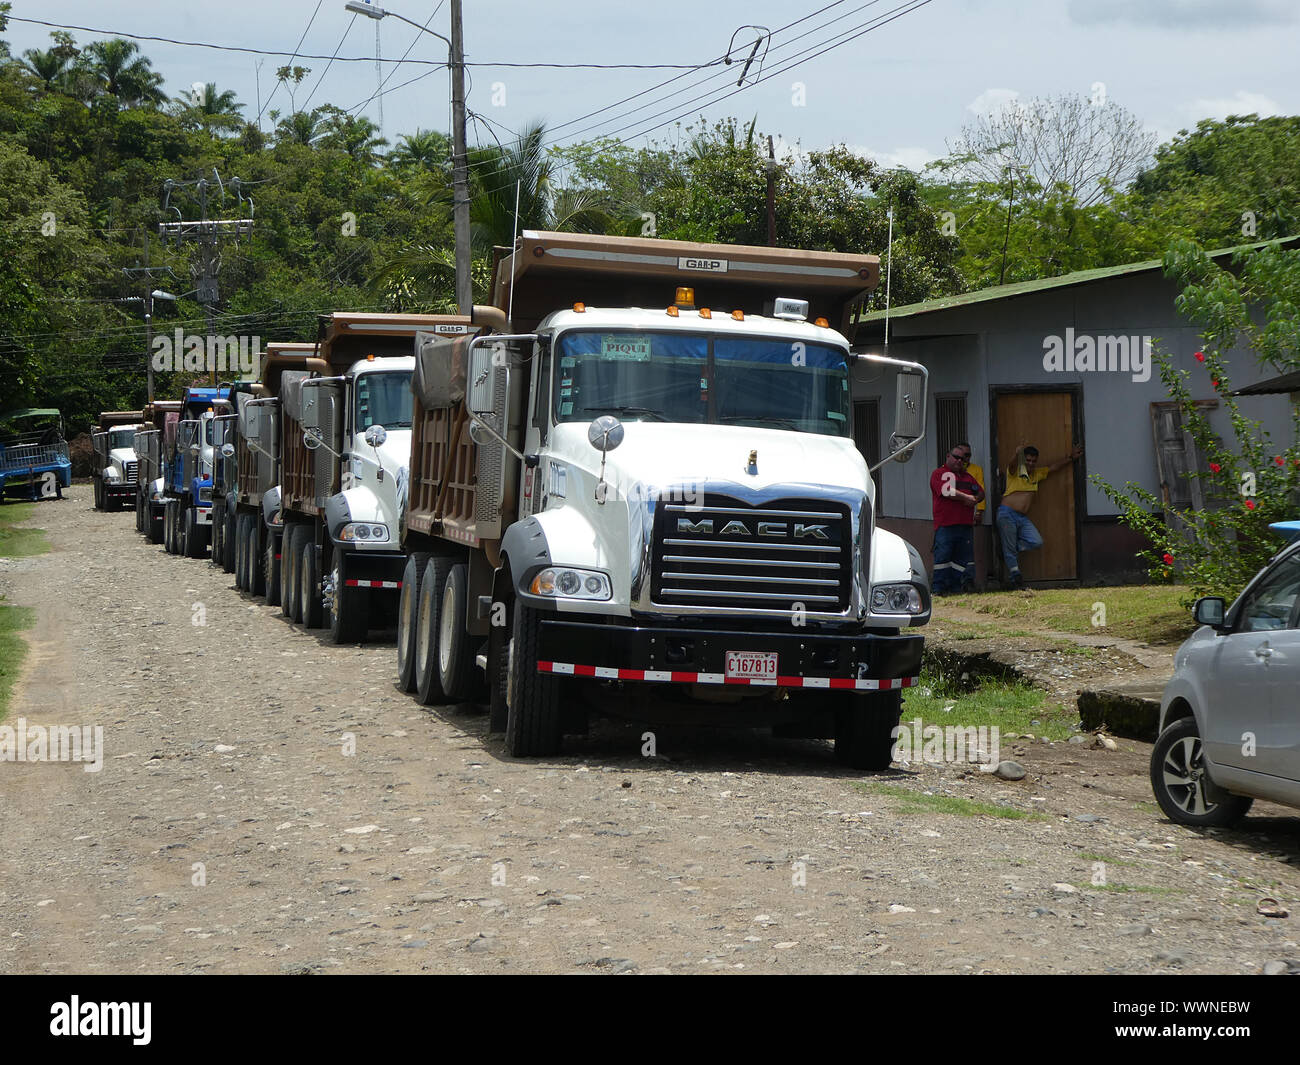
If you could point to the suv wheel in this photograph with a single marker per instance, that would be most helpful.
(1182, 785)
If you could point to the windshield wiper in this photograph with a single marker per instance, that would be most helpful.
(788, 423)
(644, 412)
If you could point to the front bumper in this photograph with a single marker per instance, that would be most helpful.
(376, 570)
(698, 656)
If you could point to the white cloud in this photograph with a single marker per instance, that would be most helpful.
(990, 101)
(1184, 14)
(913, 158)
(1239, 103)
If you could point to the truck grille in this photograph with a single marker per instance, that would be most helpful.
(771, 557)
(132, 471)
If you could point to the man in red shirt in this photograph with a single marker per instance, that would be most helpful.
(955, 494)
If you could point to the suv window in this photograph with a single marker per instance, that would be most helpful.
(1271, 603)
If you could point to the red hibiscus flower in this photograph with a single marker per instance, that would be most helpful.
(1215, 467)
(1169, 559)
(1200, 356)
(1250, 504)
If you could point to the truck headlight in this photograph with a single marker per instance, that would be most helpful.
(364, 531)
(896, 599)
(565, 583)
(111, 475)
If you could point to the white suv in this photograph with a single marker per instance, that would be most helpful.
(1230, 716)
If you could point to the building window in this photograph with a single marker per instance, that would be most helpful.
(950, 418)
(1181, 467)
(866, 434)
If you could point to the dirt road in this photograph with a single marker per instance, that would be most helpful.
(232, 829)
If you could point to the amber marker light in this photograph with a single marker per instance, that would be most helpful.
(705, 312)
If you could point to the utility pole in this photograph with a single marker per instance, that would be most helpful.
(206, 233)
(460, 163)
(147, 272)
(771, 193)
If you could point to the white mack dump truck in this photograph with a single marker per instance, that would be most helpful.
(638, 494)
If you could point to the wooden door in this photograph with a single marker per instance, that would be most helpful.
(1045, 420)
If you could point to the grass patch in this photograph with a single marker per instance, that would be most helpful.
(1151, 613)
(20, 543)
(916, 802)
(941, 699)
(13, 649)
(1107, 861)
(1129, 889)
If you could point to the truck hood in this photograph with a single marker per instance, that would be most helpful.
(657, 455)
(122, 455)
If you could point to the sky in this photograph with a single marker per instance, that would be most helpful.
(899, 92)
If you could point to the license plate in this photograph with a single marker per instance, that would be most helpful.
(752, 665)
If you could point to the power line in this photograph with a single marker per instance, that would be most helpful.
(279, 81)
(420, 33)
(349, 58)
(330, 63)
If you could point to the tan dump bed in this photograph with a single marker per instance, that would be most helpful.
(110, 418)
(552, 271)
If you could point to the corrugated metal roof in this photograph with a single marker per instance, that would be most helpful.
(1025, 288)
(1286, 383)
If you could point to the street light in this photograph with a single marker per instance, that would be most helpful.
(459, 152)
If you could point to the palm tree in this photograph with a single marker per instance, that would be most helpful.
(425, 148)
(213, 110)
(121, 73)
(355, 134)
(525, 165)
(53, 66)
(299, 128)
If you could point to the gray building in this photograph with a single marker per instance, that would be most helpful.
(1052, 363)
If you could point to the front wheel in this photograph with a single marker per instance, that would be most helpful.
(533, 723)
(1182, 784)
(864, 729)
(349, 611)
(271, 567)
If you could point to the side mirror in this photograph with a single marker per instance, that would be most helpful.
(1209, 610)
(479, 434)
(311, 438)
(605, 433)
(194, 449)
(376, 435)
(228, 450)
(909, 406)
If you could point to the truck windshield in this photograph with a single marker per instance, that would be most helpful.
(722, 380)
(384, 399)
(120, 438)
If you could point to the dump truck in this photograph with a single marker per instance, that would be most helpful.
(34, 453)
(114, 466)
(345, 435)
(253, 529)
(633, 488)
(225, 473)
(187, 474)
(158, 423)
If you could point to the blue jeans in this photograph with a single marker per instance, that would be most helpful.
(1018, 534)
(954, 558)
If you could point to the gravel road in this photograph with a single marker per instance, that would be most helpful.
(233, 829)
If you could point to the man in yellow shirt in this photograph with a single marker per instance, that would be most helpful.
(1015, 529)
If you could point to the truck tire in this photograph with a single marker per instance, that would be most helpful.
(169, 527)
(139, 524)
(427, 677)
(349, 609)
(271, 567)
(241, 546)
(309, 591)
(456, 669)
(864, 727)
(256, 574)
(533, 723)
(408, 608)
(99, 494)
(157, 527)
(289, 573)
(218, 533)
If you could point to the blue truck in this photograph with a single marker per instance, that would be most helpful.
(187, 471)
(33, 453)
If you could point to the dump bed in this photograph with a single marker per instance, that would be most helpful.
(552, 271)
(257, 434)
(308, 477)
(442, 499)
(154, 419)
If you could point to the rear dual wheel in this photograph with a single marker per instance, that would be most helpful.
(271, 567)
(310, 609)
(444, 657)
(408, 614)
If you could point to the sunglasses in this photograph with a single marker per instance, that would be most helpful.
(959, 458)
